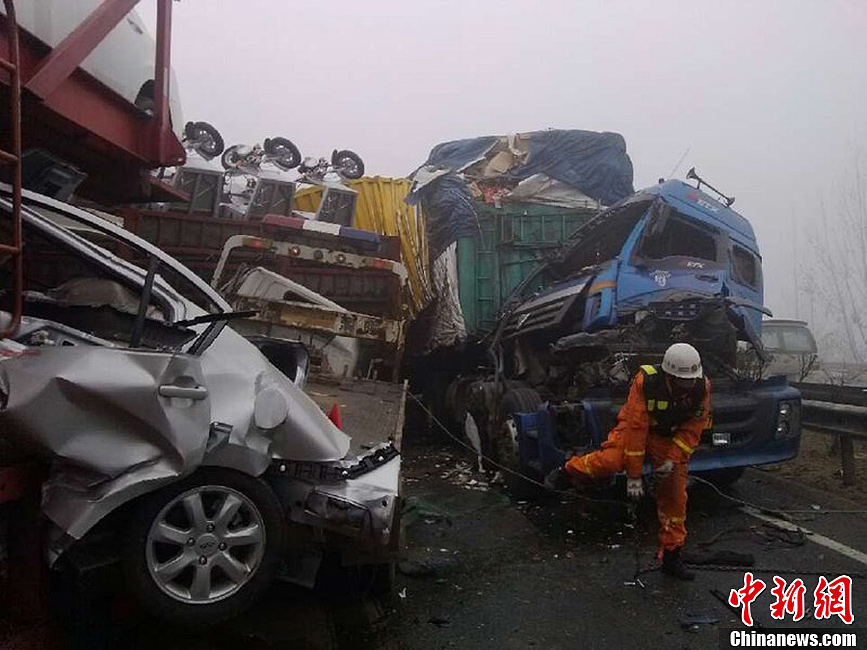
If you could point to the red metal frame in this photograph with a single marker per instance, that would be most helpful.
(79, 119)
(12, 67)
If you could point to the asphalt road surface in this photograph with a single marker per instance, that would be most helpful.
(484, 570)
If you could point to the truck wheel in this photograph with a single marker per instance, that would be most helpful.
(724, 477)
(504, 442)
(202, 550)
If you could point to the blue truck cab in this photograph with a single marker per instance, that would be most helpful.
(670, 263)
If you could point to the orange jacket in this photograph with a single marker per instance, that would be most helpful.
(633, 424)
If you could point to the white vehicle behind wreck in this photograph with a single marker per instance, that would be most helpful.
(169, 433)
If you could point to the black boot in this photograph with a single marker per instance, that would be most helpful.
(672, 565)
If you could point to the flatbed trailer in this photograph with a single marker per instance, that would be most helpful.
(372, 410)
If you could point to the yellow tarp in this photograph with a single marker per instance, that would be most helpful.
(380, 208)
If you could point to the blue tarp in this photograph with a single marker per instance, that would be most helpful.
(450, 211)
(593, 163)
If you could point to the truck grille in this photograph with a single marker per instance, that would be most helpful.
(542, 313)
(735, 415)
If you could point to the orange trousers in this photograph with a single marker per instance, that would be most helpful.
(670, 491)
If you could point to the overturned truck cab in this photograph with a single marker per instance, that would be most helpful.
(667, 264)
(173, 447)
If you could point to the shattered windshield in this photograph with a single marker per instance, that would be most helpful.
(124, 253)
(603, 238)
(671, 234)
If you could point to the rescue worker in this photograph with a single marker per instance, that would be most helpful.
(667, 409)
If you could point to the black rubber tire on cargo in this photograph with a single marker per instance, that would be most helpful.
(723, 477)
(213, 146)
(231, 157)
(259, 506)
(348, 164)
(287, 155)
(505, 449)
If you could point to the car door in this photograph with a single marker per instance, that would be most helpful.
(115, 401)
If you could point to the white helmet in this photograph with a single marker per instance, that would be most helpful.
(682, 360)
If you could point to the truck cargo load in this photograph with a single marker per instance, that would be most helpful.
(495, 206)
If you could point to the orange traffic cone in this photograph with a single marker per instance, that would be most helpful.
(334, 416)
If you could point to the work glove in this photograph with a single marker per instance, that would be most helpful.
(634, 488)
(557, 480)
(664, 470)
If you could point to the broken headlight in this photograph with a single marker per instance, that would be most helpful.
(336, 511)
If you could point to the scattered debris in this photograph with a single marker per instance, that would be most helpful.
(462, 474)
(691, 622)
(716, 593)
(427, 567)
(416, 508)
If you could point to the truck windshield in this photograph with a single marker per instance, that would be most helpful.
(671, 234)
(601, 239)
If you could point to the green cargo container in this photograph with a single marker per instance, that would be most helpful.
(511, 242)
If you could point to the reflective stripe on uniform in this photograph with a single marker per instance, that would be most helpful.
(650, 370)
(680, 443)
(634, 453)
(662, 405)
(651, 404)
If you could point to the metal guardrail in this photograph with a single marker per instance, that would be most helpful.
(833, 393)
(838, 411)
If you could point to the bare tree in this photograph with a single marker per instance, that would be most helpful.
(837, 279)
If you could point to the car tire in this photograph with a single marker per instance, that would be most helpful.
(202, 550)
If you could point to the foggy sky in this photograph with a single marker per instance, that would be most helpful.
(769, 96)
